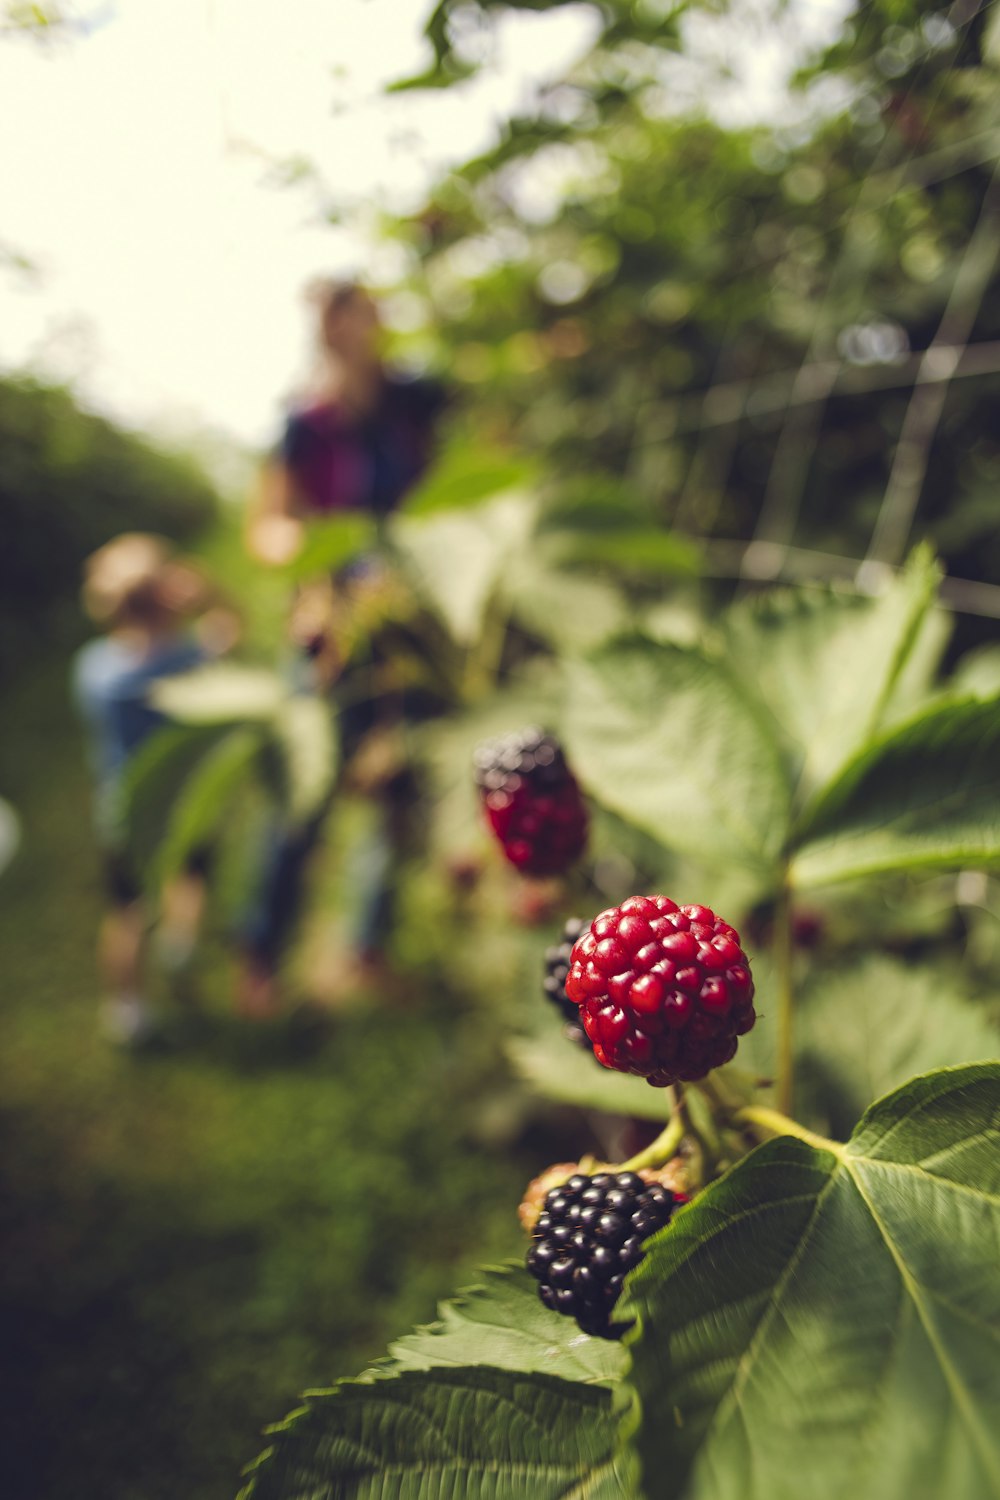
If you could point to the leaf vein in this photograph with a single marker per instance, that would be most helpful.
(919, 1170)
(959, 1392)
(748, 1359)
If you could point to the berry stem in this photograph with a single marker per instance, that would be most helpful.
(725, 1101)
(482, 662)
(769, 1124)
(666, 1143)
(783, 975)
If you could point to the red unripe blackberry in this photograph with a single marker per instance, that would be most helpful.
(663, 990)
(589, 1235)
(557, 961)
(532, 801)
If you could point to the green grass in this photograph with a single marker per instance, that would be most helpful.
(194, 1238)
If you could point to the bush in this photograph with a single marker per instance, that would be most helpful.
(69, 481)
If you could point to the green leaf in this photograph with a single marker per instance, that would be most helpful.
(466, 473)
(458, 559)
(204, 798)
(978, 674)
(827, 1322)
(926, 797)
(306, 736)
(573, 612)
(441, 1434)
(668, 739)
(918, 680)
(611, 525)
(640, 551)
(502, 1323)
(826, 663)
(864, 1029)
(566, 1072)
(333, 542)
(154, 778)
(222, 693)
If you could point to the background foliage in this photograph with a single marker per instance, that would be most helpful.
(69, 481)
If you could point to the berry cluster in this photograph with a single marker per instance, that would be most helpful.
(532, 801)
(557, 960)
(589, 1235)
(663, 990)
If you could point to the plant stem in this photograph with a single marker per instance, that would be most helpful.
(666, 1143)
(722, 1099)
(783, 977)
(771, 1123)
(482, 665)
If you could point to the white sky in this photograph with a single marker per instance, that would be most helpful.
(135, 172)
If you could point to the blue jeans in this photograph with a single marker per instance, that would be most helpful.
(268, 925)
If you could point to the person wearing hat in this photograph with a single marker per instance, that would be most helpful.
(145, 600)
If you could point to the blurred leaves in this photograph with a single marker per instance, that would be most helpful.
(332, 543)
(467, 472)
(220, 693)
(636, 292)
(560, 1069)
(308, 752)
(867, 1026)
(232, 725)
(459, 560)
(826, 663)
(203, 801)
(927, 796)
(69, 482)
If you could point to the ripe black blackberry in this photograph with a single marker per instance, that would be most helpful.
(589, 1235)
(531, 800)
(557, 961)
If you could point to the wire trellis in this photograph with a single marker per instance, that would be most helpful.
(797, 398)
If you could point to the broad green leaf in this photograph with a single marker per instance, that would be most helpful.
(572, 611)
(466, 473)
(154, 778)
(826, 1323)
(595, 503)
(222, 693)
(918, 681)
(443, 1434)
(978, 674)
(502, 1323)
(826, 662)
(305, 733)
(560, 1069)
(865, 1028)
(459, 559)
(925, 797)
(597, 523)
(204, 799)
(668, 739)
(332, 542)
(676, 620)
(643, 551)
